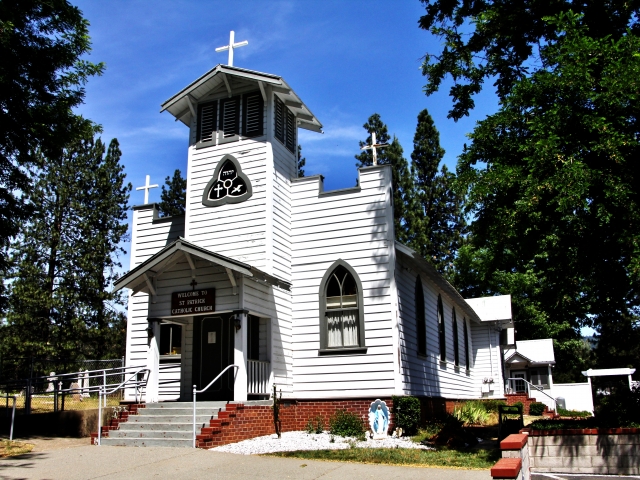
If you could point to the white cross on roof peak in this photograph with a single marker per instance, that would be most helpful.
(146, 187)
(231, 46)
(373, 147)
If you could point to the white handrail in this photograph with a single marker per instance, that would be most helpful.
(529, 385)
(204, 390)
(13, 413)
(104, 393)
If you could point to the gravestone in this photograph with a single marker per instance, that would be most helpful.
(379, 419)
(85, 383)
(75, 391)
(51, 378)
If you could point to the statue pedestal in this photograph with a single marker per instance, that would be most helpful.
(379, 436)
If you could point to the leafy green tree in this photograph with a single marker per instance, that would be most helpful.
(66, 256)
(435, 218)
(500, 41)
(402, 181)
(173, 198)
(41, 80)
(301, 162)
(552, 181)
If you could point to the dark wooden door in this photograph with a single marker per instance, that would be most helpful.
(213, 351)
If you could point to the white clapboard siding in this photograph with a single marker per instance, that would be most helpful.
(352, 225)
(428, 375)
(274, 304)
(150, 234)
(486, 358)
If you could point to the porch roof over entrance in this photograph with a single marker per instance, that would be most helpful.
(154, 266)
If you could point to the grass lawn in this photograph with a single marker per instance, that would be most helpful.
(9, 449)
(442, 457)
(44, 403)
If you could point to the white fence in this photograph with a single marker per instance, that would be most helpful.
(577, 396)
(258, 373)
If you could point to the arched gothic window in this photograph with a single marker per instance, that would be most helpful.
(421, 323)
(443, 342)
(456, 352)
(341, 312)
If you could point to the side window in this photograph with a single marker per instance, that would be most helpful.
(466, 344)
(441, 332)
(421, 323)
(170, 339)
(341, 312)
(207, 124)
(456, 353)
(253, 116)
(285, 124)
(229, 123)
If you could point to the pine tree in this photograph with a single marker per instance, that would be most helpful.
(401, 177)
(66, 254)
(436, 221)
(173, 199)
(301, 162)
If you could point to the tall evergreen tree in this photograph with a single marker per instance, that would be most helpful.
(66, 256)
(436, 222)
(173, 198)
(41, 80)
(402, 182)
(301, 162)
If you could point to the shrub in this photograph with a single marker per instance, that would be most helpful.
(346, 424)
(315, 425)
(536, 408)
(407, 412)
(620, 409)
(519, 404)
(471, 413)
(573, 413)
(492, 405)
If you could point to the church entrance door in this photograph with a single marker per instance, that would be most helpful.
(213, 343)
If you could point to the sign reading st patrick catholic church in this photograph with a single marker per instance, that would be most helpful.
(228, 185)
(192, 302)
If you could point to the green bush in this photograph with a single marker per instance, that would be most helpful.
(519, 404)
(536, 408)
(471, 413)
(492, 405)
(315, 425)
(573, 413)
(407, 414)
(620, 409)
(346, 424)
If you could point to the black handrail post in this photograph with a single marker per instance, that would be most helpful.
(55, 396)
(27, 398)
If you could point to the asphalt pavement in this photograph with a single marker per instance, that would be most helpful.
(91, 462)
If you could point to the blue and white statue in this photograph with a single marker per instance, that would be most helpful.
(379, 419)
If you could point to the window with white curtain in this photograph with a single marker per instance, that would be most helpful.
(341, 309)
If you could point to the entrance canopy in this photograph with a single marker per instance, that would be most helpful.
(141, 276)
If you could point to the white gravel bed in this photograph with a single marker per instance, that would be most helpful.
(291, 441)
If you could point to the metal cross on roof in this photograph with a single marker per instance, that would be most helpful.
(373, 147)
(231, 46)
(146, 189)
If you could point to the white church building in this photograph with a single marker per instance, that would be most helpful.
(299, 287)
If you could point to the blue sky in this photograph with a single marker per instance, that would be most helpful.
(345, 59)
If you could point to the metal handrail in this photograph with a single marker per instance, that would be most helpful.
(529, 385)
(104, 393)
(13, 413)
(204, 390)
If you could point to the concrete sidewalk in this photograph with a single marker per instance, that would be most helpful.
(89, 462)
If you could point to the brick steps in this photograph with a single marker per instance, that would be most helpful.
(114, 423)
(526, 401)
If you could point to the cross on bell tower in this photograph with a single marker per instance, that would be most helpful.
(231, 46)
(373, 147)
(146, 187)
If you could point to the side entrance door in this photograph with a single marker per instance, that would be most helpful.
(213, 342)
(520, 385)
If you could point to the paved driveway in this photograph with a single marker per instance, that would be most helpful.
(88, 462)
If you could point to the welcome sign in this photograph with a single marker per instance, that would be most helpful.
(193, 302)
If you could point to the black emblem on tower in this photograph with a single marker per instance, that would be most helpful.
(228, 185)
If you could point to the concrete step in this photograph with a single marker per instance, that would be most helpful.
(170, 418)
(172, 434)
(148, 442)
(150, 426)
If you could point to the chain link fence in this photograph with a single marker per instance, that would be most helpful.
(46, 385)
